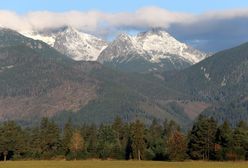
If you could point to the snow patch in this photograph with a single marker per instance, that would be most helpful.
(6, 67)
(224, 82)
(206, 74)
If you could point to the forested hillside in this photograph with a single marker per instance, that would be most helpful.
(220, 80)
(38, 81)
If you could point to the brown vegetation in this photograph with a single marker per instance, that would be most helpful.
(68, 96)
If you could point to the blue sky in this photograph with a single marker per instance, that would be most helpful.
(192, 6)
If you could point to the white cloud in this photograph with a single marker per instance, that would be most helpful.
(12, 20)
(185, 25)
(147, 17)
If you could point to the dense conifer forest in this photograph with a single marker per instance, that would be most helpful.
(124, 141)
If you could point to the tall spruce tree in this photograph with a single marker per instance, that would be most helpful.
(91, 141)
(12, 140)
(107, 142)
(49, 139)
(224, 141)
(202, 139)
(137, 138)
(155, 142)
(67, 135)
(119, 128)
(34, 143)
(240, 139)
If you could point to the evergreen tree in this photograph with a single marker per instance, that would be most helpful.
(49, 139)
(34, 143)
(107, 142)
(91, 139)
(119, 127)
(202, 139)
(67, 136)
(137, 138)
(12, 140)
(205, 141)
(224, 141)
(240, 139)
(155, 142)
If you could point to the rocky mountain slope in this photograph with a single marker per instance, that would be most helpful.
(149, 51)
(69, 41)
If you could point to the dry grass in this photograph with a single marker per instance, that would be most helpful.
(120, 164)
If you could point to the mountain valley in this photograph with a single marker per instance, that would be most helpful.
(37, 80)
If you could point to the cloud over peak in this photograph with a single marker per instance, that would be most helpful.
(147, 17)
(185, 26)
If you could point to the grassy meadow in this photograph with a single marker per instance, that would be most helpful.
(120, 164)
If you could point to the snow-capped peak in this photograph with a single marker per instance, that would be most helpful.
(155, 47)
(124, 47)
(71, 42)
(78, 45)
(160, 44)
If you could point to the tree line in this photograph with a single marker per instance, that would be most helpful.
(207, 140)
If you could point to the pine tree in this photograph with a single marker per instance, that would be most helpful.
(67, 135)
(49, 138)
(92, 141)
(155, 142)
(137, 138)
(202, 139)
(34, 143)
(107, 141)
(240, 139)
(12, 140)
(119, 127)
(224, 141)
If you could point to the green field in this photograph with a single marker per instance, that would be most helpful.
(120, 164)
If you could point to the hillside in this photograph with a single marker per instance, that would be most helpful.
(37, 81)
(220, 80)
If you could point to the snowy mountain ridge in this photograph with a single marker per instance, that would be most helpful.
(69, 41)
(153, 45)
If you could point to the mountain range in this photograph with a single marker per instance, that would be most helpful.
(154, 50)
(38, 80)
